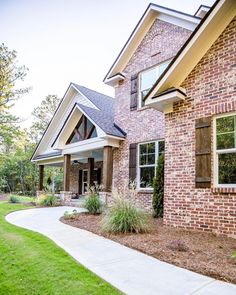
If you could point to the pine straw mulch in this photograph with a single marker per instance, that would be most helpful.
(202, 252)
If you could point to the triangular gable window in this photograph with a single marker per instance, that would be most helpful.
(83, 130)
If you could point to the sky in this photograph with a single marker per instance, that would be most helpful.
(63, 41)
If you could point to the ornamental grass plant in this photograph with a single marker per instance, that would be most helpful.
(125, 217)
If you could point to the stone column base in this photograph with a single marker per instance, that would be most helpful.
(65, 197)
(105, 196)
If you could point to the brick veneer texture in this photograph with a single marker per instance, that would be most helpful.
(74, 174)
(161, 43)
(210, 90)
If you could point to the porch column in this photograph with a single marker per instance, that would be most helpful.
(107, 168)
(90, 172)
(41, 176)
(67, 164)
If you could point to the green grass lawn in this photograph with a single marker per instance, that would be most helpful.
(32, 264)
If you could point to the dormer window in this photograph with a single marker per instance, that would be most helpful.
(148, 78)
(83, 130)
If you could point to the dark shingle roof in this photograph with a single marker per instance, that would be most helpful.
(104, 116)
(48, 155)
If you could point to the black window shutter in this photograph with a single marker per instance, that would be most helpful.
(203, 152)
(134, 92)
(80, 181)
(132, 161)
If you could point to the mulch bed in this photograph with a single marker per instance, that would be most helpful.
(201, 252)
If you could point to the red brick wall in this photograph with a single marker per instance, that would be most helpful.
(161, 43)
(74, 174)
(210, 90)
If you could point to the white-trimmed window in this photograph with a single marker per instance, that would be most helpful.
(147, 79)
(148, 154)
(225, 150)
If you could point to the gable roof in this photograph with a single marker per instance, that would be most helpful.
(102, 114)
(209, 29)
(152, 12)
(101, 101)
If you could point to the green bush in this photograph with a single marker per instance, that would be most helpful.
(14, 199)
(158, 188)
(93, 204)
(48, 201)
(73, 215)
(125, 217)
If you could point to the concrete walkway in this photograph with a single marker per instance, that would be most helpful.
(130, 271)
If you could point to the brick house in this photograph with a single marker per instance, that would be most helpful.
(174, 86)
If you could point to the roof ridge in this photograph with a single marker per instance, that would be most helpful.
(77, 85)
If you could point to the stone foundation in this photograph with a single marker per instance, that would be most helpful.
(105, 197)
(65, 198)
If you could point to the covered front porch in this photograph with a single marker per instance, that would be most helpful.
(80, 138)
(81, 170)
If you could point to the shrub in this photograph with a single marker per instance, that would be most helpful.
(234, 255)
(178, 245)
(158, 188)
(14, 199)
(93, 203)
(48, 200)
(73, 215)
(124, 217)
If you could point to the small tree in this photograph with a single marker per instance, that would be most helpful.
(158, 188)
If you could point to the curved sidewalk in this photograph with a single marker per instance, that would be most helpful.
(130, 271)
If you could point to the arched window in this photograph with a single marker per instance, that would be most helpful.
(83, 130)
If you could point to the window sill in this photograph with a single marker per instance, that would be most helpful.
(140, 109)
(224, 190)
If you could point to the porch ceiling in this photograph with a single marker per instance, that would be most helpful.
(81, 157)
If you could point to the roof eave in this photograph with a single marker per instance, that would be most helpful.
(38, 144)
(213, 24)
(142, 27)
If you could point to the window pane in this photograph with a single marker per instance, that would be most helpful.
(143, 149)
(95, 175)
(148, 78)
(94, 133)
(85, 175)
(146, 176)
(143, 94)
(81, 130)
(225, 141)
(151, 159)
(143, 159)
(225, 124)
(161, 147)
(227, 168)
(74, 139)
(151, 147)
(162, 67)
(89, 126)
(85, 187)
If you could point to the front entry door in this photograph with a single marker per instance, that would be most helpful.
(85, 181)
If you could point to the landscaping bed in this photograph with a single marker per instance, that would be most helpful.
(201, 252)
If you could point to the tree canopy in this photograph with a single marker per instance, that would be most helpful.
(10, 75)
(17, 172)
(42, 115)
